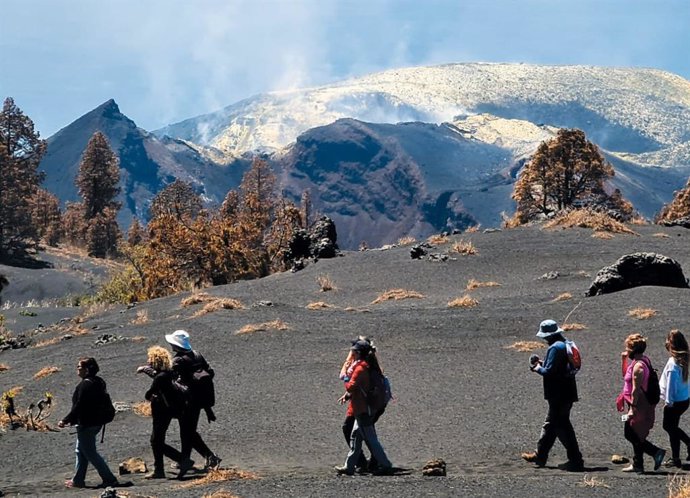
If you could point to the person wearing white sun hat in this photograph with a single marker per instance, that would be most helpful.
(186, 362)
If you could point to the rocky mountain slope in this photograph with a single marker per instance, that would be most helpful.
(409, 151)
(147, 163)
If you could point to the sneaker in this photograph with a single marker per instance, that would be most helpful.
(572, 466)
(156, 474)
(213, 462)
(185, 467)
(109, 484)
(533, 458)
(673, 462)
(632, 468)
(343, 471)
(659, 458)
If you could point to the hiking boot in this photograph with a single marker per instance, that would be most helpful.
(673, 462)
(213, 462)
(532, 457)
(631, 468)
(383, 471)
(343, 471)
(185, 467)
(659, 458)
(572, 466)
(156, 474)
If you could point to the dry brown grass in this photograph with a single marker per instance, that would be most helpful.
(660, 235)
(258, 327)
(220, 475)
(45, 372)
(642, 313)
(679, 486)
(437, 240)
(602, 235)
(397, 295)
(405, 241)
(464, 247)
(563, 297)
(475, 284)
(465, 301)
(592, 482)
(526, 346)
(138, 338)
(573, 326)
(196, 298)
(46, 342)
(3, 367)
(221, 493)
(219, 303)
(325, 283)
(93, 310)
(473, 229)
(584, 218)
(141, 317)
(319, 305)
(639, 221)
(143, 409)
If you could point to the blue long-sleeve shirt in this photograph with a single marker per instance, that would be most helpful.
(558, 383)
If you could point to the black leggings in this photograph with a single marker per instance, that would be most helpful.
(161, 422)
(672, 416)
(640, 447)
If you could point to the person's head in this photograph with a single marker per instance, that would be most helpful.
(635, 344)
(550, 331)
(159, 358)
(87, 367)
(675, 341)
(361, 349)
(179, 340)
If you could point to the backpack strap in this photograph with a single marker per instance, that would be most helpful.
(103, 433)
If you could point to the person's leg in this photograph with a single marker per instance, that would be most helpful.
(369, 434)
(566, 433)
(87, 445)
(348, 423)
(638, 453)
(188, 424)
(81, 464)
(373, 464)
(549, 432)
(355, 452)
(671, 420)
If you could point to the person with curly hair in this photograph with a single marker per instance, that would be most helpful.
(167, 402)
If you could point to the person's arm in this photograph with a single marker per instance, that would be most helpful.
(666, 384)
(356, 380)
(624, 363)
(549, 363)
(78, 401)
(346, 365)
(637, 381)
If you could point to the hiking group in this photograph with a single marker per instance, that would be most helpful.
(181, 387)
(642, 390)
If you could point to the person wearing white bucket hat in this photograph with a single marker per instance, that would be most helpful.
(560, 391)
(186, 363)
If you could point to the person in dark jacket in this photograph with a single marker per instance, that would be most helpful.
(167, 403)
(186, 361)
(560, 391)
(84, 414)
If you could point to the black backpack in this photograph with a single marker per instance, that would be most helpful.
(653, 392)
(379, 393)
(202, 390)
(104, 410)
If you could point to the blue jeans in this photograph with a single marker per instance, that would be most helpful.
(364, 430)
(87, 453)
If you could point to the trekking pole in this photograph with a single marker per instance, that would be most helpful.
(571, 312)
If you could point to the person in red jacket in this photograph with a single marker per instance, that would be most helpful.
(363, 430)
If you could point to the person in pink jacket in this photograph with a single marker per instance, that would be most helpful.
(639, 421)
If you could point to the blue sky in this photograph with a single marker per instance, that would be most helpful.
(167, 60)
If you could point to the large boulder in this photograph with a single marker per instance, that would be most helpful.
(640, 268)
(323, 238)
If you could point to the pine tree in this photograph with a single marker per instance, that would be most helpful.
(135, 234)
(678, 208)
(46, 216)
(99, 177)
(21, 150)
(99, 184)
(565, 172)
(305, 209)
(178, 200)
